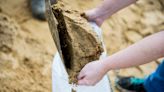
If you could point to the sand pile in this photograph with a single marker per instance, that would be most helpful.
(134, 23)
(79, 43)
(26, 53)
(24, 67)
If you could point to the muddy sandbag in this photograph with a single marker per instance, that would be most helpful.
(79, 43)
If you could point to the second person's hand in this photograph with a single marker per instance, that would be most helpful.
(92, 15)
(92, 73)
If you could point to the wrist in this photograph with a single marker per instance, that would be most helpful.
(105, 64)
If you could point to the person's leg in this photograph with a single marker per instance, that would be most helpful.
(130, 83)
(38, 8)
(155, 81)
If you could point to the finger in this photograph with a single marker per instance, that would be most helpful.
(99, 22)
(82, 82)
(81, 75)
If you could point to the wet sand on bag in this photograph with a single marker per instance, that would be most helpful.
(79, 43)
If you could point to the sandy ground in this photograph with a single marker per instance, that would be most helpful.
(25, 62)
(27, 48)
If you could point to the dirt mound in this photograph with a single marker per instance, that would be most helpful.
(134, 23)
(27, 50)
(23, 65)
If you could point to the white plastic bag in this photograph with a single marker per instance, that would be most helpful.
(60, 76)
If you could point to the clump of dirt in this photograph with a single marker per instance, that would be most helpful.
(79, 44)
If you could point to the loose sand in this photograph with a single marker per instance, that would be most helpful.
(27, 48)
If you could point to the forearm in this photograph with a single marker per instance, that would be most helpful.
(109, 7)
(147, 50)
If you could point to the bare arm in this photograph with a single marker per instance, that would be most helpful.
(106, 9)
(147, 50)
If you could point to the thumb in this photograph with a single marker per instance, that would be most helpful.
(81, 78)
(99, 22)
(82, 82)
(81, 75)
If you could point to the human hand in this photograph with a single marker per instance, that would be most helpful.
(92, 73)
(92, 15)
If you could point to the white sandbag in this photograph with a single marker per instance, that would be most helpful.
(60, 76)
